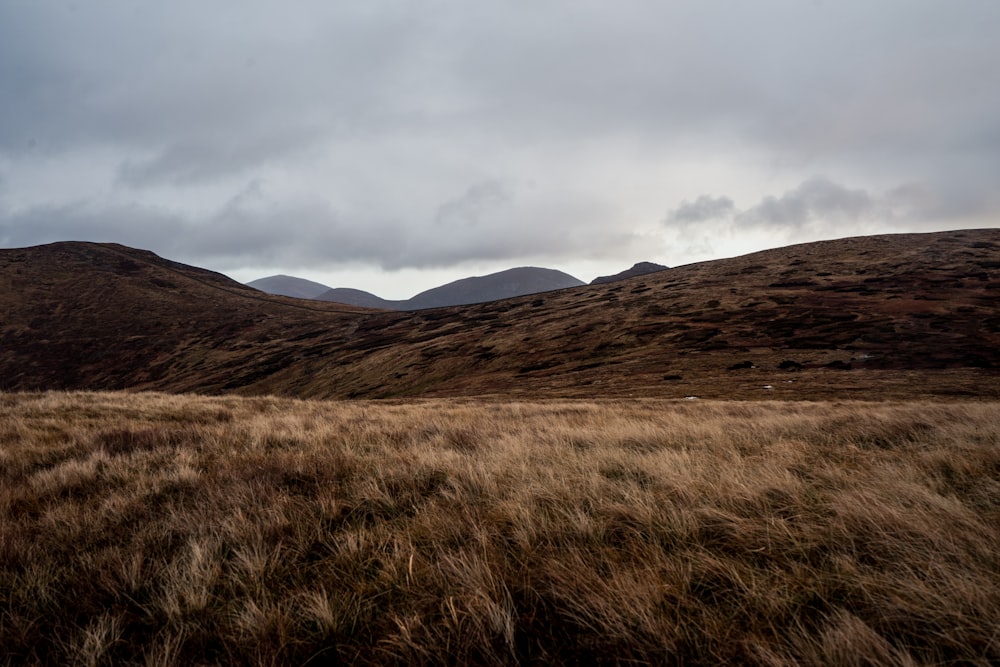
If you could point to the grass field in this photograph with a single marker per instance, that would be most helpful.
(157, 529)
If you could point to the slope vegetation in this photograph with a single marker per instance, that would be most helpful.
(103, 316)
(889, 316)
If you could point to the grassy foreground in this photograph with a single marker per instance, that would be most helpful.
(156, 530)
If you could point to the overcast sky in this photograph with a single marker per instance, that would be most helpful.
(392, 145)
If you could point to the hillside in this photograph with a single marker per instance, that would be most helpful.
(477, 289)
(104, 316)
(885, 316)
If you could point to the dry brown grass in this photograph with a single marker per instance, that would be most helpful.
(158, 530)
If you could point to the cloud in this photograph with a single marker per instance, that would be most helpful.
(404, 135)
(200, 160)
(495, 221)
(235, 236)
(254, 227)
(478, 202)
(183, 93)
(128, 225)
(170, 75)
(817, 199)
(705, 207)
(818, 208)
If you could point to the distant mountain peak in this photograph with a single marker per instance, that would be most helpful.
(283, 285)
(514, 282)
(638, 269)
(518, 281)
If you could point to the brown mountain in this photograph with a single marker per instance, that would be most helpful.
(104, 316)
(638, 269)
(884, 316)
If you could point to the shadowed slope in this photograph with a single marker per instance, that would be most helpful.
(107, 316)
(896, 315)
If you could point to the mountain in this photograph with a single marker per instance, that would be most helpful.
(478, 289)
(503, 285)
(893, 316)
(639, 269)
(105, 316)
(356, 297)
(282, 285)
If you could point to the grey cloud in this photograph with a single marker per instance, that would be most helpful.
(470, 209)
(816, 199)
(577, 67)
(253, 227)
(364, 116)
(494, 221)
(238, 234)
(774, 74)
(201, 160)
(201, 90)
(705, 207)
(133, 226)
(818, 208)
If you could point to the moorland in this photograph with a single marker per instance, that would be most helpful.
(790, 457)
(895, 316)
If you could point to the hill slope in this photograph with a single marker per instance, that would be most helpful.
(884, 316)
(104, 316)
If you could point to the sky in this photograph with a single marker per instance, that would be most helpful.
(394, 145)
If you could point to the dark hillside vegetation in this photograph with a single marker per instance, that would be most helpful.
(897, 316)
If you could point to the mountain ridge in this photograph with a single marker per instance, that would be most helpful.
(517, 281)
(301, 288)
(911, 315)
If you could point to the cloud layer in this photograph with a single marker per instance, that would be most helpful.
(406, 135)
